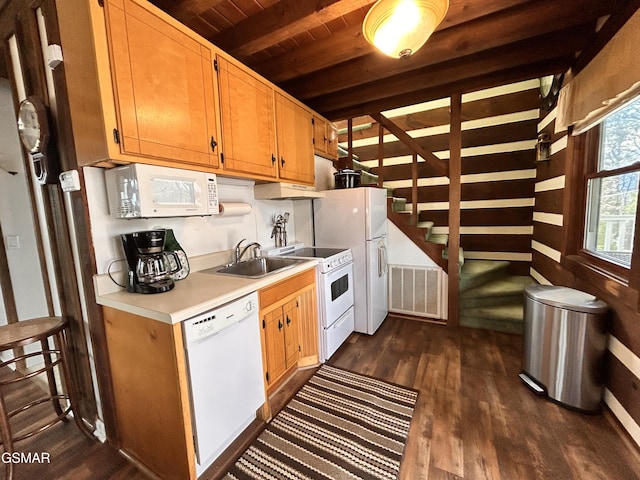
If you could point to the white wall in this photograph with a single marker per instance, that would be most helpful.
(202, 235)
(402, 250)
(196, 235)
(16, 218)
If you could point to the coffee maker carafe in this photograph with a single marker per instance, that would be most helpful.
(149, 267)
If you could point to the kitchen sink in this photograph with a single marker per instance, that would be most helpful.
(256, 267)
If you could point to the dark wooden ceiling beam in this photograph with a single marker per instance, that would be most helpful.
(349, 43)
(339, 47)
(281, 21)
(469, 84)
(503, 28)
(518, 55)
(287, 18)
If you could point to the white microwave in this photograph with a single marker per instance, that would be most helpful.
(145, 191)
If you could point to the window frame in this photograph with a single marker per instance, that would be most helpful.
(584, 159)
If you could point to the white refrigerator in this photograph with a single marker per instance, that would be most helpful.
(356, 218)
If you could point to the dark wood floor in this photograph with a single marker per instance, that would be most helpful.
(474, 419)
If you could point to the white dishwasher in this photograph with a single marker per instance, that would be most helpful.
(225, 370)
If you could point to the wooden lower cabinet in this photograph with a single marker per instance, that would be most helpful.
(289, 327)
(281, 339)
(150, 378)
(151, 394)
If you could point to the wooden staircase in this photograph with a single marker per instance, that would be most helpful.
(490, 297)
(421, 233)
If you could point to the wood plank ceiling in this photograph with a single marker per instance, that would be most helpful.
(315, 50)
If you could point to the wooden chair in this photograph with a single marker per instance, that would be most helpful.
(20, 334)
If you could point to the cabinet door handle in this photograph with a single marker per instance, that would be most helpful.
(288, 320)
(280, 325)
(273, 159)
(282, 161)
(214, 144)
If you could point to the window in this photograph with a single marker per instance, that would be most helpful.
(612, 188)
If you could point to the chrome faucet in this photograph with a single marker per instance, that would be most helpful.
(240, 253)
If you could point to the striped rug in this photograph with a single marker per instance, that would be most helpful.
(340, 425)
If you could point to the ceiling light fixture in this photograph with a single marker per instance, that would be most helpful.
(399, 28)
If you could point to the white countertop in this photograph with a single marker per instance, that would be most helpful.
(197, 293)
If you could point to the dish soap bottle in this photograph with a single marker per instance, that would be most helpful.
(172, 245)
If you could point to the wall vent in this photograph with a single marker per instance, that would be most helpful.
(415, 290)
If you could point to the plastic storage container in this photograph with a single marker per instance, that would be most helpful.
(565, 337)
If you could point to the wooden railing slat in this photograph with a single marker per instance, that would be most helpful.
(380, 154)
(439, 166)
(414, 189)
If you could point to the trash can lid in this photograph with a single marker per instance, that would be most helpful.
(565, 297)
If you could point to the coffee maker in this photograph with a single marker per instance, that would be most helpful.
(150, 270)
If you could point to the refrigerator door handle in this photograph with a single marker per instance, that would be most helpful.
(382, 260)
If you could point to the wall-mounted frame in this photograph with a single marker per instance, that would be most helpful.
(33, 127)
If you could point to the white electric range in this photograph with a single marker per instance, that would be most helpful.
(334, 280)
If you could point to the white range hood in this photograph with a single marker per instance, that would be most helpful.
(275, 191)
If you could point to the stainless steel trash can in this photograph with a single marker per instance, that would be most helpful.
(565, 336)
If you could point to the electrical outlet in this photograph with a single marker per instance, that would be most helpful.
(12, 242)
(70, 181)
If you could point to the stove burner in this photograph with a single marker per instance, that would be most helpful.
(316, 252)
(328, 258)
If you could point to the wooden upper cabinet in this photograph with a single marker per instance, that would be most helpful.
(332, 141)
(164, 89)
(319, 136)
(325, 138)
(248, 122)
(295, 142)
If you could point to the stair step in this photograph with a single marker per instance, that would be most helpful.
(478, 272)
(367, 178)
(504, 291)
(441, 238)
(504, 318)
(428, 224)
(357, 165)
(398, 204)
(445, 255)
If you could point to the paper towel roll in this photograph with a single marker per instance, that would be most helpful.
(234, 209)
